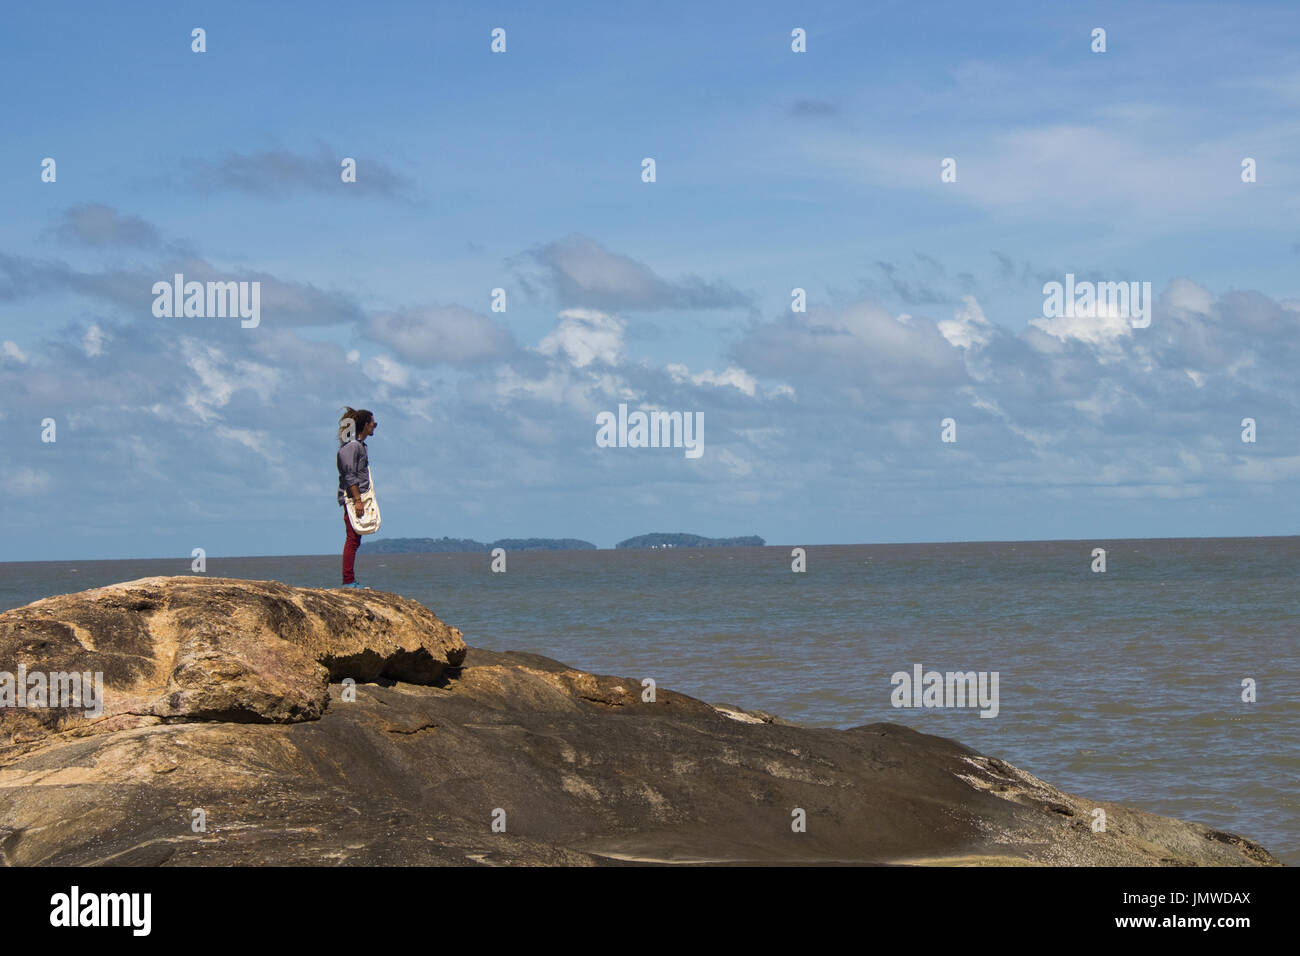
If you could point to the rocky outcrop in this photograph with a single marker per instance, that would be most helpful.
(233, 742)
(191, 648)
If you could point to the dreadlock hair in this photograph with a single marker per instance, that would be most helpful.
(358, 418)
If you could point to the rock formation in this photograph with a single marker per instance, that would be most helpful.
(231, 735)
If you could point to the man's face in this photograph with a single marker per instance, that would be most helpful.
(369, 430)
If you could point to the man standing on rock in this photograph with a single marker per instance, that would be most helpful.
(354, 480)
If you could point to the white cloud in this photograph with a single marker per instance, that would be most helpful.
(450, 335)
(386, 370)
(93, 341)
(1102, 328)
(1184, 297)
(220, 377)
(1118, 167)
(734, 377)
(582, 272)
(586, 336)
(861, 345)
(968, 328)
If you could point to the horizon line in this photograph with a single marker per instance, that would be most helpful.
(847, 544)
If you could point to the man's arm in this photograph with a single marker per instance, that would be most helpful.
(348, 468)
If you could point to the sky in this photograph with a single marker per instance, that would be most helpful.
(523, 170)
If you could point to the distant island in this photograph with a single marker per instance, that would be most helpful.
(662, 540)
(457, 545)
(469, 545)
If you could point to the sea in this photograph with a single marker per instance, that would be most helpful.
(1170, 681)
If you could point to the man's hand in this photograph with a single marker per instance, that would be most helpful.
(360, 508)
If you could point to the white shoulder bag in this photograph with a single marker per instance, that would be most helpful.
(369, 521)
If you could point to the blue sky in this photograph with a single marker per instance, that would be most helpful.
(522, 171)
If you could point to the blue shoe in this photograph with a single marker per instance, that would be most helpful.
(352, 585)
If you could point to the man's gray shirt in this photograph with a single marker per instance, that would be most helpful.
(354, 469)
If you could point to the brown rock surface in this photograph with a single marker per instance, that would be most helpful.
(231, 715)
(193, 648)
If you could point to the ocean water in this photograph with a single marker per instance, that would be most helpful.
(1122, 686)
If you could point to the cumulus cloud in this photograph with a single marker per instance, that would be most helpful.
(218, 376)
(283, 301)
(862, 344)
(1185, 298)
(838, 398)
(584, 336)
(732, 377)
(1100, 327)
(440, 335)
(383, 369)
(580, 272)
(275, 172)
(94, 224)
(968, 328)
